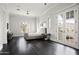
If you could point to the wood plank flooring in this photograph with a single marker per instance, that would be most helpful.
(19, 46)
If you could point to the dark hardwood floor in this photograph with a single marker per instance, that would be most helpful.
(19, 46)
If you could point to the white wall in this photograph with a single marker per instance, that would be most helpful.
(16, 22)
(3, 25)
(0, 27)
(51, 24)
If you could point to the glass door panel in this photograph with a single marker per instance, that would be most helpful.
(70, 27)
(61, 32)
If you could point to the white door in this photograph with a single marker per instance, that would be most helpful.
(66, 27)
(61, 27)
(70, 27)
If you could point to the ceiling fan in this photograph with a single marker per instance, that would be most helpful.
(27, 12)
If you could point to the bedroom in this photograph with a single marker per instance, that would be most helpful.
(33, 21)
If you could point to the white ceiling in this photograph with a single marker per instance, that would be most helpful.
(35, 9)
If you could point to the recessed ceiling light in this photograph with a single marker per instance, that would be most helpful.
(18, 9)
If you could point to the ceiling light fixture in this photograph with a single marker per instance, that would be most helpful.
(45, 3)
(18, 9)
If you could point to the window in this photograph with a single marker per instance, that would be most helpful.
(70, 17)
(70, 14)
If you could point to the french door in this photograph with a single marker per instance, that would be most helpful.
(61, 27)
(66, 27)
